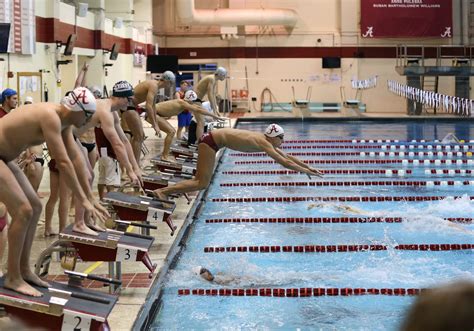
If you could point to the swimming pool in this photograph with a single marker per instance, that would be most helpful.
(268, 251)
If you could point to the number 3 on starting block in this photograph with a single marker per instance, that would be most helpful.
(73, 321)
(126, 254)
(154, 215)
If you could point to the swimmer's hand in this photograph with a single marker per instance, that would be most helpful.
(100, 207)
(316, 172)
(98, 213)
(222, 119)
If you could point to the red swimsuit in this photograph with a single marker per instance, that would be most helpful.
(209, 140)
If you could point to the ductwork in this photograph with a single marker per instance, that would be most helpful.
(188, 15)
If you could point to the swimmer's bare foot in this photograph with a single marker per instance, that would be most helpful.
(50, 233)
(32, 278)
(82, 228)
(95, 227)
(168, 158)
(19, 285)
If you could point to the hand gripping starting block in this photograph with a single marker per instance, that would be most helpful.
(186, 167)
(154, 182)
(184, 152)
(141, 208)
(62, 306)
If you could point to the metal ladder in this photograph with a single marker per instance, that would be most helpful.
(429, 83)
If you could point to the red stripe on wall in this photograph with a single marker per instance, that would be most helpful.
(50, 30)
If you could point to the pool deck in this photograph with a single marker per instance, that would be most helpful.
(136, 284)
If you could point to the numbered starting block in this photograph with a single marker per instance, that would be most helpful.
(142, 208)
(184, 153)
(113, 245)
(154, 182)
(63, 306)
(186, 167)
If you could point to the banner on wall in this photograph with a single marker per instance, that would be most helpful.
(406, 18)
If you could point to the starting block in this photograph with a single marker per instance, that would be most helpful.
(154, 182)
(184, 143)
(141, 208)
(62, 306)
(184, 153)
(186, 167)
(113, 245)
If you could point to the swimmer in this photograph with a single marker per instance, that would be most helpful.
(147, 91)
(50, 123)
(239, 140)
(175, 107)
(219, 278)
(450, 138)
(339, 208)
(208, 86)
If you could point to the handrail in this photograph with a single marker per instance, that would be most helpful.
(406, 52)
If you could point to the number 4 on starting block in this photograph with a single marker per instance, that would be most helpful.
(154, 215)
(74, 321)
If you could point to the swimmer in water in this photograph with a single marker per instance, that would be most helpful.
(450, 138)
(219, 278)
(339, 208)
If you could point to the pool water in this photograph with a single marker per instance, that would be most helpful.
(424, 222)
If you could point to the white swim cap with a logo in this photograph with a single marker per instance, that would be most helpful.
(168, 76)
(190, 95)
(81, 99)
(221, 72)
(274, 130)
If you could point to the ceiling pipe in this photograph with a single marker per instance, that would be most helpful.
(188, 15)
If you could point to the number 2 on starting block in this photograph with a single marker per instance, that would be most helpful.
(126, 254)
(154, 215)
(73, 321)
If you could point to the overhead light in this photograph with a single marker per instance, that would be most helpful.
(118, 23)
(81, 9)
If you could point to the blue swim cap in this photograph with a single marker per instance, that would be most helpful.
(8, 92)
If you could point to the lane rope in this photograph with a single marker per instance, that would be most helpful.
(404, 162)
(339, 199)
(326, 172)
(335, 248)
(357, 183)
(299, 292)
(316, 220)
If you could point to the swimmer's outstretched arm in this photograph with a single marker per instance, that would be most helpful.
(314, 171)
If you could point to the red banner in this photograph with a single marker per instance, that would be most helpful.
(406, 18)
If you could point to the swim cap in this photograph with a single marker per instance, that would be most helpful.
(168, 76)
(221, 72)
(96, 91)
(8, 92)
(197, 270)
(190, 95)
(28, 99)
(81, 99)
(122, 89)
(274, 130)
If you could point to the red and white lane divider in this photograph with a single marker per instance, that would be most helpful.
(371, 154)
(388, 172)
(358, 183)
(317, 220)
(339, 199)
(383, 147)
(370, 141)
(336, 248)
(404, 162)
(449, 172)
(297, 292)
